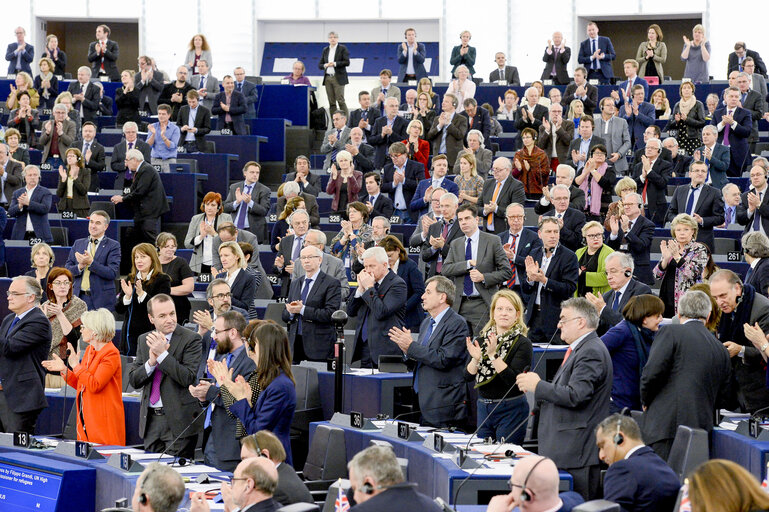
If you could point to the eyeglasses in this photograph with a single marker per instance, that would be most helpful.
(304, 258)
(563, 321)
(511, 485)
(597, 235)
(16, 294)
(233, 480)
(61, 283)
(516, 217)
(222, 296)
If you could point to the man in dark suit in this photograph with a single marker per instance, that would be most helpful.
(440, 356)
(577, 400)
(30, 205)
(387, 130)
(335, 138)
(556, 58)
(539, 477)
(10, 177)
(477, 118)
(581, 90)
(92, 151)
(248, 202)
(166, 362)
(651, 132)
(380, 304)
(518, 243)
(420, 204)
(754, 246)
(564, 175)
(530, 114)
(680, 162)
(478, 265)
(555, 136)
(634, 233)
(291, 489)
(222, 450)
(504, 75)
(290, 248)
(146, 196)
(292, 189)
(619, 273)
(448, 130)
(363, 117)
(25, 339)
(175, 93)
(411, 58)
(103, 55)
(680, 355)
(734, 125)
(753, 102)
(194, 122)
(596, 53)
(20, 54)
(551, 277)
(624, 92)
(738, 56)
(247, 89)
(570, 220)
(652, 175)
(95, 264)
(311, 301)
(399, 179)
(437, 233)
(377, 203)
(498, 192)
(333, 63)
(308, 182)
(716, 156)
(85, 95)
(581, 147)
(362, 153)
(753, 210)
(117, 163)
(149, 83)
(330, 265)
(230, 106)
(637, 478)
(639, 114)
(703, 202)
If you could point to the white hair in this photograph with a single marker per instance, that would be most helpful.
(134, 154)
(481, 139)
(376, 253)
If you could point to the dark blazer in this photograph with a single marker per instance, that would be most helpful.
(318, 335)
(97, 162)
(522, 121)
(439, 372)
(39, 206)
(127, 106)
(385, 308)
(666, 155)
(26, 57)
(382, 206)
(491, 261)
(738, 139)
(571, 232)
(590, 101)
(399, 497)
(13, 180)
(415, 287)
(381, 144)
(147, 197)
(179, 373)
(418, 204)
(90, 102)
(603, 44)
(759, 278)
(313, 187)
(364, 160)
(710, 207)
(430, 255)
(682, 354)
(609, 317)
(734, 62)
(691, 126)
(639, 242)
(166, 94)
(23, 349)
(743, 217)
(3, 222)
(639, 80)
(643, 483)
(149, 92)
(372, 114)
(104, 269)
(457, 59)
(576, 201)
(528, 241)
(238, 108)
(511, 192)
(718, 165)
(628, 357)
(574, 146)
(563, 138)
(243, 291)
(248, 90)
(510, 76)
(202, 123)
(573, 404)
(481, 122)
(111, 53)
(290, 488)
(636, 124)
(561, 61)
(414, 172)
(756, 105)
(455, 137)
(341, 59)
(562, 275)
(418, 59)
(285, 249)
(26, 125)
(80, 187)
(310, 203)
(257, 222)
(135, 319)
(657, 188)
(117, 163)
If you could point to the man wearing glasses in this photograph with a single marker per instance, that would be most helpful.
(220, 299)
(633, 233)
(577, 400)
(25, 338)
(311, 301)
(251, 488)
(330, 265)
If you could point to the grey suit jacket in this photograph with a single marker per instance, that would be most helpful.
(13, 181)
(197, 248)
(212, 89)
(332, 266)
(65, 140)
(483, 161)
(564, 135)
(617, 139)
(149, 92)
(392, 92)
(327, 148)
(759, 85)
(492, 262)
(574, 403)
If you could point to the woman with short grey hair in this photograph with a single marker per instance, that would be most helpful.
(755, 247)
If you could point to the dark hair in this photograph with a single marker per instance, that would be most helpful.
(468, 207)
(374, 175)
(89, 123)
(274, 353)
(248, 249)
(166, 108)
(386, 72)
(234, 320)
(150, 251)
(587, 118)
(362, 93)
(599, 147)
(52, 275)
(357, 205)
(391, 243)
(642, 306)
(530, 131)
(19, 94)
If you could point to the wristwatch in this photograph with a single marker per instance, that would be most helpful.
(764, 346)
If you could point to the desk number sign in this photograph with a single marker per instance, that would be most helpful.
(404, 430)
(21, 439)
(82, 449)
(356, 419)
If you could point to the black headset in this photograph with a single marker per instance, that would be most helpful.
(628, 272)
(367, 488)
(143, 499)
(528, 494)
(618, 437)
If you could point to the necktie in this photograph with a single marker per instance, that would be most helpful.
(445, 236)
(425, 341)
(241, 222)
(240, 87)
(490, 216)
(568, 353)
(13, 324)
(335, 151)
(371, 200)
(595, 62)
(729, 213)
(757, 215)
(155, 390)
(305, 291)
(690, 201)
(297, 248)
(86, 147)
(744, 95)
(501, 74)
(615, 305)
(727, 129)
(513, 241)
(202, 82)
(555, 59)
(227, 116)
(85, 283)
(467, 289)
(748, 274)
(130, 146)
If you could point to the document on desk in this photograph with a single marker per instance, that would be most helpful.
(727, 425)
(196, 469)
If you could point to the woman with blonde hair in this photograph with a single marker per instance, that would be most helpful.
(696, 54)
(74, 182)
(23, 82)
(418, 148)
(576, 111)
(46, 84)
(720, 485)
(425, 111)
(469, 183)
(426, 86)
(242, 283)
(344, 183)
(687, 119)
(661, 104)
(498, 355)
(53, 52)
(654, 53)
(42, 259)
(624, 186)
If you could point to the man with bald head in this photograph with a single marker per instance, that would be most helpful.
(175, 93)
(362, 152)
(556, 58)
(651, 176)
(538, 478)
(252, 486)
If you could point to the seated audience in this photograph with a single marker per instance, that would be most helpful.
(538, 477)
(297, 75)
(661, 104)
(462, 86)
(726, 485)
(308, 182)
(16, 151)
(508, 107)
(680, 161)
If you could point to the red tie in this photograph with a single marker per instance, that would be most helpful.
(568, 353)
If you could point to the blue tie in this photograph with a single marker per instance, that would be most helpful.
(690, 202)
(468, 285)
(305, 291)
(748, 274)
(595, 62)
(240, 86)
(240, 223)
(297, 249)
(757, 216)
(615, 306)
(13, 324)
(210, 410)
(202, 82)
(425, 341)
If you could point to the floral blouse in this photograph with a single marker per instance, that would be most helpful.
(688, 270)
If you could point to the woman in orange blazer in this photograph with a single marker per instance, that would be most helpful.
(419, 149)
(98, 379)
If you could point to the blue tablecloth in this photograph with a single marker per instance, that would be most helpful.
(749, 453)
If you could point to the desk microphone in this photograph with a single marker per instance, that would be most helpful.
(182, 460)
(756, 414)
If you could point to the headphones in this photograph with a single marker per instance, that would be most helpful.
(628, 272)
(367, 488)
(143, 499)
(618, 437)
(528, 494)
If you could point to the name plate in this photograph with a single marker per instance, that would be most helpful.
(415, 250)
(356, 419)
(68, 215)
(273, 279)
(733, 256)
(439, 444)
(21, 439)
(335, 218)
(34, 241)
(404, 430)
(204, 278)
(82, 449)
(45, 166)
(144, 113)
(547, 82)
(46, 111)
(273, 217)
(501, 82)
(395, 220)
(226, 131)
(157, 167)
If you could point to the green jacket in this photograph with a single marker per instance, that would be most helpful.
(597, 280)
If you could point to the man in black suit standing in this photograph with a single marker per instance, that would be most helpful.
(637, 478)
(387, 130)
(103, 55)
(376, 202)
(311, 301)
(248, 202)
(735, 125)
(477, 119)
(751, 101)
(569, 219)
(93, 153)
(363, 117)
(438, 232)
(580, 148)
(194, 121)
(146, 197)
(651, 176)
(380, 304)
(400, 178)
(577, 400)
(681, 354)
(149, 84)
(166, 363)
(130, 141)
(619, 273)
(738, 56)
(440, 354)
(498, 192)
(504, 75)
(703, 202)
(25, 339)
(230, 106)
(551, 277)
(518, 243)
(753, 210)
(333, 63)
(308, 182)
(247, 89)
(556, 58)
(633, 233)
(85, 95)
(175, 93)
